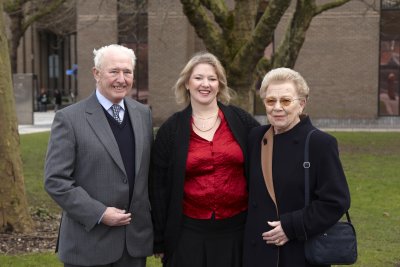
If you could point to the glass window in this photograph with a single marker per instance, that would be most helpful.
(389, 65)
(132, 33)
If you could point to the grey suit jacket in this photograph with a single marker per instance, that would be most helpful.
(84, 174)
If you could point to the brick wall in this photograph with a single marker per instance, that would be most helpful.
(339, 59)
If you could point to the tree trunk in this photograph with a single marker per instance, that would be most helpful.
(242, 83)
(16, 35)
(239, 40)
(244, 97)
(14, 213)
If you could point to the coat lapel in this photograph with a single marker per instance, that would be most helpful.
(240, 132)
(101, 128)
(182, 140)
(267, 145)
(138, 130)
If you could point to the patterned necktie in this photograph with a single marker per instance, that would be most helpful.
(116, 108)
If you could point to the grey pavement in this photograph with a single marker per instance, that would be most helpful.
(41, 123)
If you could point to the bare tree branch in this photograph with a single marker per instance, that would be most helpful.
(22, 14)
(62, 22)
(262, 34)
(204, 26)
(329, 5)
(220, 11)
(11, 7)
(40, 13)
(289, 49)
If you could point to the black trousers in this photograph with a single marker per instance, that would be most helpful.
(209, 243)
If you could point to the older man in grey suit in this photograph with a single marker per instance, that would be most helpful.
(97, 168)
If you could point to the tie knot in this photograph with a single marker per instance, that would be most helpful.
(116, 108)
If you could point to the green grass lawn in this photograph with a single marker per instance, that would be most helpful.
(371, 162)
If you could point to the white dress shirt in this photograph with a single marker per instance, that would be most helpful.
(107, 105)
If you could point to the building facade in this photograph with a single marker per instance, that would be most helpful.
(350, 57)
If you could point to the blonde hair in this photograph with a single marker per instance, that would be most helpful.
(285, 75)
(99, 54)
(182, 95)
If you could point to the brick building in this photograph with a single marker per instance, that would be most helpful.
(350, 57)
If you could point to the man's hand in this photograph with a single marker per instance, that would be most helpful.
(116, 217)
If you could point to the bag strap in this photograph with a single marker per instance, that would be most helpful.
(306, 166)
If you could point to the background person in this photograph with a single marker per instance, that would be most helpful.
(199, 191)
(389, 98)
(97, 167)
(43, 100)
(276, 230)
(57, 100)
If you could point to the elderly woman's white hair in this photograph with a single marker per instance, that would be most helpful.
(280, 75)
(99, 54)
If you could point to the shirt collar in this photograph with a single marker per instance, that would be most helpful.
(107, 103)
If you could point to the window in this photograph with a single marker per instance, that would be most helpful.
(132, 33)
(389, 65)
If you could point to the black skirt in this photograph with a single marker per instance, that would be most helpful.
(209, 243)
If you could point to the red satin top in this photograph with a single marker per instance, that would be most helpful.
(215, 181)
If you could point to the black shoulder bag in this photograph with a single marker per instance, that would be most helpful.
(337, 245)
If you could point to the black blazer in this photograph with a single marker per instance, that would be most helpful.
(330, 196)
(169, 165)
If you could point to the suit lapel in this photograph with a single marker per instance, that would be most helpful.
(98, 121)
(138, 130)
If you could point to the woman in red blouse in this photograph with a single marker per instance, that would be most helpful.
(198, 190)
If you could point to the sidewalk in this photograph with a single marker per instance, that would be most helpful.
(43, 120)
(41, 123)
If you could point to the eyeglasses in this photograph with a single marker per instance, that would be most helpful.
(284, 101)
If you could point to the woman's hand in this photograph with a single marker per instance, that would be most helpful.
(275, 236)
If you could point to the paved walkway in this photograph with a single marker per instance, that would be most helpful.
(41, 123)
